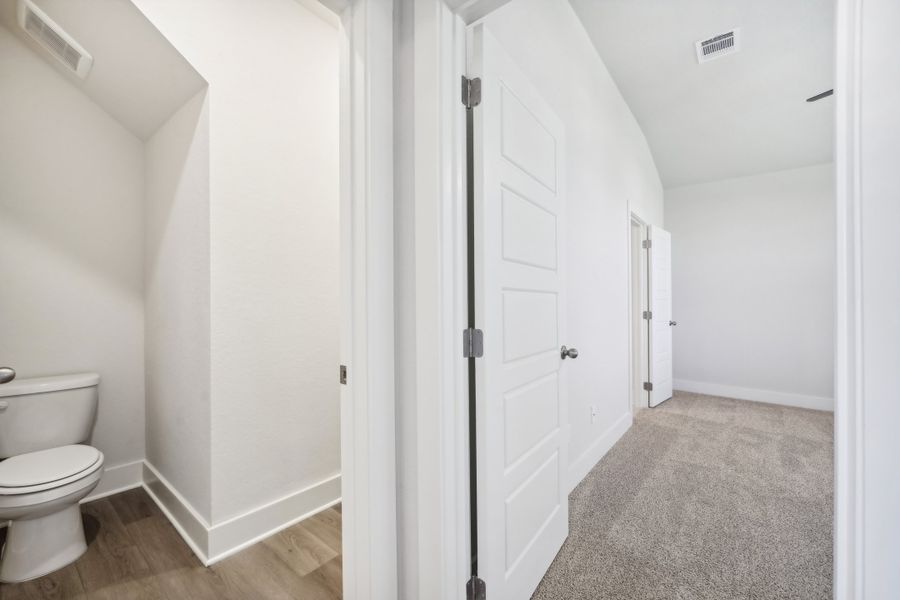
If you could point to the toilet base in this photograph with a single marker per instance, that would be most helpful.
(37, 547)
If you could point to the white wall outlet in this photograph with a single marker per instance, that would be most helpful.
(593, 414)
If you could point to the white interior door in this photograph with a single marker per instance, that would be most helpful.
(521, 394)
(660, 258)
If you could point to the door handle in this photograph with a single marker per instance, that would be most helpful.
(565, 353)
(7, 374)
(673, 323)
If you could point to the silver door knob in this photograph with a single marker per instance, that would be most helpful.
(7, 374)
(673, 323)
(565, 353)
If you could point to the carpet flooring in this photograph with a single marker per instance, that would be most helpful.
(704, 498)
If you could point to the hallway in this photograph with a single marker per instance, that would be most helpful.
(704, 498)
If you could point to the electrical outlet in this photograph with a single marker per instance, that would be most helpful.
(593, 414)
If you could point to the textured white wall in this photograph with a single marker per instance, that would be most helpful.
(753, 285)
(71, 189)
(272, 68)
(176, 292)
(608, 165)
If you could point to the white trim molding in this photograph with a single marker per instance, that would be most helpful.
(581, 466)
(472, 10)
(441, 392)
(848, 394)
(368, 455)
(755, 394)
(117, 479)
(189, 523)
(212, 543)
(244, 530)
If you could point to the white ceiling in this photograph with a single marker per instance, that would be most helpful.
(738, 115)
(138, 77)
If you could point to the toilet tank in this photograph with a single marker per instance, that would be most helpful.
(46, 412)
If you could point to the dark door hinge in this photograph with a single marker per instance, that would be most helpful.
(473, 343)
(343, 374)
(471, 92)
(475, 589)
(648, 386)
(647, 244)
(647, 314)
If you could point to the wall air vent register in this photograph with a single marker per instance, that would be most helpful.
(54, 39)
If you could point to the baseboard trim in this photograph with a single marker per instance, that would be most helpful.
(192, 527)
(117, 479)
(579, 469)
(755, 395)
(235, 534)
(212, 543)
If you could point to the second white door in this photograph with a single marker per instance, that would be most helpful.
(660, 271)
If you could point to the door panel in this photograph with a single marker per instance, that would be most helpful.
(661, 307)
(521, 394)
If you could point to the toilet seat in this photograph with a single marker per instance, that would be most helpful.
(47, 469)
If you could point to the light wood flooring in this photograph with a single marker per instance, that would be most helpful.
(135, 553)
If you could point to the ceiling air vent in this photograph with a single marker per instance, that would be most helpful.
(51, 36)
(718, 46)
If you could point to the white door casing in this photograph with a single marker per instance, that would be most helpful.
(519, 289)
(660, 289)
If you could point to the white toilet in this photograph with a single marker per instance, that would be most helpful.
(47, 471)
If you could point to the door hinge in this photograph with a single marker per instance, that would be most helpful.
(471, 92)
(475, 589)
(473, 343)
(647, 314)
(646, 243)
(343, 374)
(648, 386)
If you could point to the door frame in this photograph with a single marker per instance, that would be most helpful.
(635, 219)
(439, 34)
(849, 399)
(368, 456)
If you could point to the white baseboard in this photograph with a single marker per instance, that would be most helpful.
(187, 521)
(237, 533)
(117, 479)
(769, 396)
(579, 469)
(212, 543)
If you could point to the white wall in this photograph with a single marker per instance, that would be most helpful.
(176, 288)
(71, 189)
(608, 165)
(753, 281)
(880, 287)
(272, 69)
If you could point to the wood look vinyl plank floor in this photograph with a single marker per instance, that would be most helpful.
(134, 553)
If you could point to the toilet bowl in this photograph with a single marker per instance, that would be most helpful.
(39, 495)
(46, 472)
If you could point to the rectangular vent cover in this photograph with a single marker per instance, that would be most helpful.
(718, 46)
(52, 37)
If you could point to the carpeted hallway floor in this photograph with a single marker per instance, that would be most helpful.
(704, 498)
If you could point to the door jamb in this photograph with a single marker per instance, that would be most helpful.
(634, 218)
(368, 436)
(849, 399)
(440, 289)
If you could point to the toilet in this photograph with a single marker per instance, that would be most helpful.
(46, 470)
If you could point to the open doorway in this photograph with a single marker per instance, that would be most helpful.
(174, 216)
(638, 303)
(722, 437)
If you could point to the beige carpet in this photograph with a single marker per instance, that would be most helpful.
(704, 498)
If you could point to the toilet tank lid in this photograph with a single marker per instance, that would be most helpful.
(55, 383)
